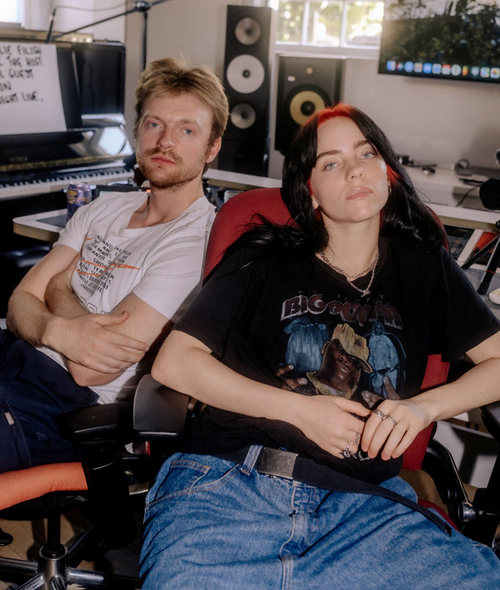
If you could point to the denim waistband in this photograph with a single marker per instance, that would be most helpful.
(281, 463)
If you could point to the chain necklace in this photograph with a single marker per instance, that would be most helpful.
(351, 278)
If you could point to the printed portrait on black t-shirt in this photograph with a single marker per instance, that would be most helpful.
(362, 359)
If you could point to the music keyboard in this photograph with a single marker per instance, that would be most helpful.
(59, 180)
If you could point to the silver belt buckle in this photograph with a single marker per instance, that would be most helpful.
(276, 462)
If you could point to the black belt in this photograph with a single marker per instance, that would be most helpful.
(292, 466)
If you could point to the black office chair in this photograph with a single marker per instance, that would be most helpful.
(104, 494)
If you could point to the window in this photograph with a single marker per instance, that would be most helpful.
(345, 24)
(11, 11)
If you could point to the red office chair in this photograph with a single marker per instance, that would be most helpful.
(243, 209)
(479, 520)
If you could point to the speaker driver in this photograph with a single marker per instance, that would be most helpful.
(245, 74)
(304, 104)
(243, 116)
(247, 31)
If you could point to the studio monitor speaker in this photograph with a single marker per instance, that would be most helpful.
(305, 85)
(245, 145)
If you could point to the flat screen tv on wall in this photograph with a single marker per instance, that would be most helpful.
(446, 39)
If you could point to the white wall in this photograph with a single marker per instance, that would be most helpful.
(438, 121)
(72, 14)
(193, 28)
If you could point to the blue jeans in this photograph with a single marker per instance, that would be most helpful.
(34, 389)
(212, 524)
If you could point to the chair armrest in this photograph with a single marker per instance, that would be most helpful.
(159, 411)
(440, 465)
(491, 419)
(104, 422)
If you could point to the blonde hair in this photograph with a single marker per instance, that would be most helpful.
(171, 75)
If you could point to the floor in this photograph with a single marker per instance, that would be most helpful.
(29, 535)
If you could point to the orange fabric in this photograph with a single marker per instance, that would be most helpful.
(26, 484)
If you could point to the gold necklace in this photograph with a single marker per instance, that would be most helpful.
(351, 278)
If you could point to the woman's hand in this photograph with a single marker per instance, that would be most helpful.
(393, 426)
(335, 424)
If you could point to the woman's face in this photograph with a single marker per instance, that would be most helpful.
(349, 181)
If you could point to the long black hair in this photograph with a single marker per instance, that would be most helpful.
(404, 214)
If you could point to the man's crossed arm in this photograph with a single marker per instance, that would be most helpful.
(44, 311)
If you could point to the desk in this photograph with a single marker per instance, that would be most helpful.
(46, 226)
(41, 226)
(238, 181)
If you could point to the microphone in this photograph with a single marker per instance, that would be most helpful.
(489, 193)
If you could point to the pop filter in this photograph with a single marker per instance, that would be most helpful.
(489, 193)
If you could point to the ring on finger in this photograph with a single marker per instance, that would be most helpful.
(346, 453)
(393, 420)
(380, 414)
(356, 439)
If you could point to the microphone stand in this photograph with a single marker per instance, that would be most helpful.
(492, 264)
(139, 7)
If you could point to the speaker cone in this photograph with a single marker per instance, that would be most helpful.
(243, 116)
(304, 104)
(245, 74)
(247, 31)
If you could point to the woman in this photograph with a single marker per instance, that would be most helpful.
(365, 250)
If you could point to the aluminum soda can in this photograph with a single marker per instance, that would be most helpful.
(77, 195)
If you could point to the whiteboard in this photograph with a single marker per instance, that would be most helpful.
(30, 92)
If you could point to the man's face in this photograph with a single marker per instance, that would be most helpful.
(341, 370)
(172, 143)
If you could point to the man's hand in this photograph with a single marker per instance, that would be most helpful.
(44, 311)
(90, 341)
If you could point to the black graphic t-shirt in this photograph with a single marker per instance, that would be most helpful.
(293, 322)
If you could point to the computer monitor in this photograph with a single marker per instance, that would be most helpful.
(100, 67)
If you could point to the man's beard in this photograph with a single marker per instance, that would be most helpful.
(159, 177)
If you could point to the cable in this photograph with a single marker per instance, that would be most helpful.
(123, 4)
(467, 193)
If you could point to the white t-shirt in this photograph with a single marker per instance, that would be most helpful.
(162, 265)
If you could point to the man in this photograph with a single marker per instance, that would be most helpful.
(345, 355)
(89, 316)
(383, 358)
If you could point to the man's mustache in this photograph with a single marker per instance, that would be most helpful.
(157, 151)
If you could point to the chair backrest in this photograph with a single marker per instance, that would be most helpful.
(236, 216)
